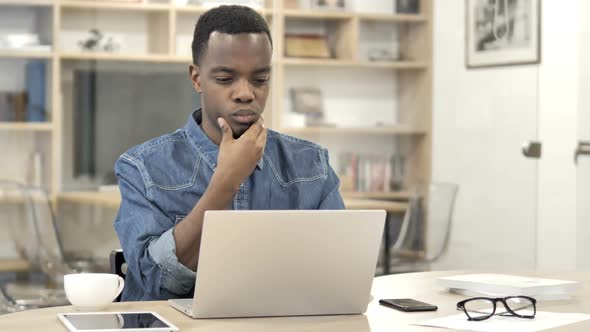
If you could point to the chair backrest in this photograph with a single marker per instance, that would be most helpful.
(118, 265)
(15, 216)
(439, 218)
(427, 222)
(40, 242)
(51, 249)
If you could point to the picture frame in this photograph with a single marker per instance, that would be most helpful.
(502, 32)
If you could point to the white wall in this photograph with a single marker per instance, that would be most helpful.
(558, 111)
(481, 117)
(583, 172)
(512, 211)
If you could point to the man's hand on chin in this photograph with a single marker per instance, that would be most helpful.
(238, 158)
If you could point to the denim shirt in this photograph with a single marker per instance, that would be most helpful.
(162, 180)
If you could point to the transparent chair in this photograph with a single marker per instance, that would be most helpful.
(426, 228)
(33, 228)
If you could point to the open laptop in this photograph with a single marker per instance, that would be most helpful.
(285, 263)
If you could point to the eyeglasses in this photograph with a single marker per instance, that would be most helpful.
(481, 308)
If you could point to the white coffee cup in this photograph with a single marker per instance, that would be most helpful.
(92, 291)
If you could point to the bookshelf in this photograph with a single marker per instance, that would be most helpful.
(114, 6)
(14, 265)
(31, 3)
(102, 56)
(399, 130)
(400, 65)
(164, 29)
(7, 54)
(327, 15)
(26, 126)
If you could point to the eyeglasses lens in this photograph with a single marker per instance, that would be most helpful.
(479, 308)
(521, 306)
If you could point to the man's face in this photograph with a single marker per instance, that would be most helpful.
(233, 78)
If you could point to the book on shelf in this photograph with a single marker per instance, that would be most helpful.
(13, 106)
(35, 81)
(307, 46)
(370, 173)
(27, 105)
(486, 284)
(5, 107)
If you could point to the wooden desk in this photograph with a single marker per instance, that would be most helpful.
(421, 286)
(370, 204)
(112, 199)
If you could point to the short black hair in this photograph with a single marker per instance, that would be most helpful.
(226, 19)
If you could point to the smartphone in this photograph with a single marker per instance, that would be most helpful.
(408, 305)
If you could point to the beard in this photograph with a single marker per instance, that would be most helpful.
(239, 129)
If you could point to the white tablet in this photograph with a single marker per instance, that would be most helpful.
(146, 321)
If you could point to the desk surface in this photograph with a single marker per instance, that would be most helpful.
(112, 199)
(421, 286)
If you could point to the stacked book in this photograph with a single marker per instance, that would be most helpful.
(501, 285)
(370, 173)
(28, 105)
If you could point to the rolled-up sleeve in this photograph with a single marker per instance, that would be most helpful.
(331, 199)
(176, 277)
(146, 236)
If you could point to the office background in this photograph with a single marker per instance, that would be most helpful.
(396, 96)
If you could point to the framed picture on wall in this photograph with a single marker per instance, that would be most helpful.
(502, 32)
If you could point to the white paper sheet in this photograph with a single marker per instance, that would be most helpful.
(542, 321)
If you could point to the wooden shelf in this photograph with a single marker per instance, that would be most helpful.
(192, 9)
(14, 265)
(188, 9)
(347, 63)
(397, 130)
(327, 15)
(402, 195)
(27, 2)
(392, 64)
(26, 126)
(109, 199)
(316, 62)
(394, 18)
(99, 56)
(180, 59)
(86, 5)
(18, 54)
(373, 204)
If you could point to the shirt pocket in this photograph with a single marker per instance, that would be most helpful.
(174, 168)
(307, 166)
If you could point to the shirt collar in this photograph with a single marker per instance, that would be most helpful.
(198, 136)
